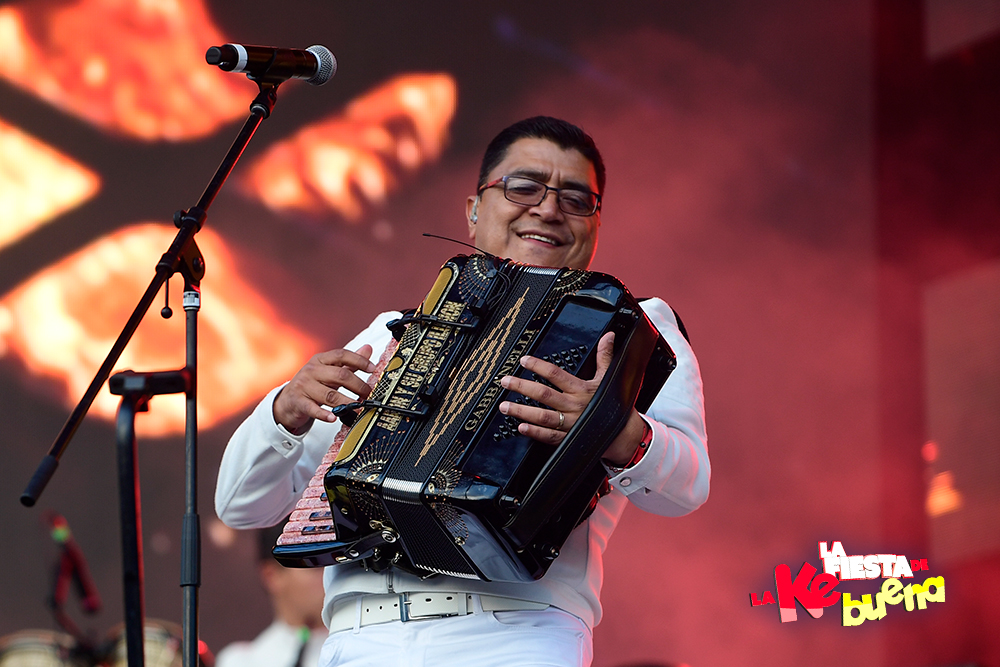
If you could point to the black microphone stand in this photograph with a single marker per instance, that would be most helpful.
(136, 389)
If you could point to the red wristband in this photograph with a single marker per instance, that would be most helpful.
(640, 451)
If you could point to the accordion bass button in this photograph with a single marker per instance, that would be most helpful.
(509, 502)
(549, 552)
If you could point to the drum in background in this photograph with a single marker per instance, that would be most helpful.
(41, 648)
(162, 645)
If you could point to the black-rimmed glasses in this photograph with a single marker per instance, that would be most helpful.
(529, 192)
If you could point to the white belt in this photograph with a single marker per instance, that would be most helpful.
(417, 607)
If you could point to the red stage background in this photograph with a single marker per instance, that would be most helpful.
(812, 187)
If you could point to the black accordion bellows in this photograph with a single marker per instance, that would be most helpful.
(432, 478)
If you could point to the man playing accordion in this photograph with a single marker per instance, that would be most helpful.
(538, 202)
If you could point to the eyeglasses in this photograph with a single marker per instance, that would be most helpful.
(529, 192)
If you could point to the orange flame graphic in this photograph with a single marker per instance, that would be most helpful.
(135, 67)
(352, 160)
(37, 183)
(63, 321)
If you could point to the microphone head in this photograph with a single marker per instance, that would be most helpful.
(327, 65)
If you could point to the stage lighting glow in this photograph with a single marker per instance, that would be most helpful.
(37, 183)
(62, 322)
(929, 451)
(942, 496)
(352, 161)
(130, 67)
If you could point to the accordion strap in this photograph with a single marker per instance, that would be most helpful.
(373, 379)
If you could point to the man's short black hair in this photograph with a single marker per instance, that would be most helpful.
(563, 134)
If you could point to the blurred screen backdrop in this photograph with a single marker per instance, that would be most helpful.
(811, 186)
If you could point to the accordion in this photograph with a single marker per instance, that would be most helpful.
(432, 477)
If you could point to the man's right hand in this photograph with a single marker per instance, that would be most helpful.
(316, 384)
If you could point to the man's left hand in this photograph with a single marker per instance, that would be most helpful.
(568, 396)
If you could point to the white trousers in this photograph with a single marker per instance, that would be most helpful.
(546, 638)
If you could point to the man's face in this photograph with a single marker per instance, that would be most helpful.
(296, 593)
(542, 235)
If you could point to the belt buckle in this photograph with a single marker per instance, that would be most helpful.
(404, 607)
(404, 610)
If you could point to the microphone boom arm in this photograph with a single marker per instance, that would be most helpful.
(182, 256)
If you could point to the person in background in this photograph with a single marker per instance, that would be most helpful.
(296, 634)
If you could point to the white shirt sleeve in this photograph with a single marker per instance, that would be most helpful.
(672, 479)
(265, 468)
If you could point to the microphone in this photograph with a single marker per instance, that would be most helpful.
(269, 64)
